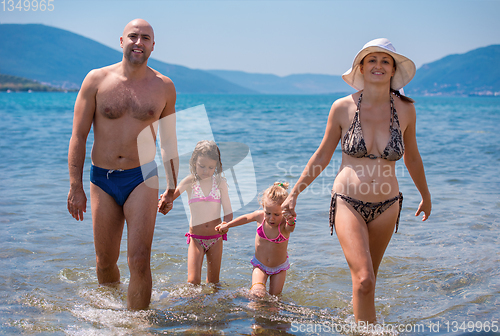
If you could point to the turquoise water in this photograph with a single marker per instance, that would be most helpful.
(437, 277)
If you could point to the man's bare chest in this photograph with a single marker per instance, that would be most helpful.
(140, 103)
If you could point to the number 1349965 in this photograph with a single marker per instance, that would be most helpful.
(27, 5)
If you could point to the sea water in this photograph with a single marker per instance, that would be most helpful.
(439, 276)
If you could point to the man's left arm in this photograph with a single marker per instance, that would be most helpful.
(168, 144)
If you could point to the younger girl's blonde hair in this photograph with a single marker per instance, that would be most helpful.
(276, 193)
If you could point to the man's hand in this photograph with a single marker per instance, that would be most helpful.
(77, 203)
(166, 201)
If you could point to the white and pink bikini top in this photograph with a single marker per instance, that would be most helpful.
(198, 196)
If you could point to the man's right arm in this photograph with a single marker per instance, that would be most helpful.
(82, 122)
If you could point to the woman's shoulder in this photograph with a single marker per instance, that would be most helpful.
(405, 109)
(346, 104)
(347, 101)
(343, 108)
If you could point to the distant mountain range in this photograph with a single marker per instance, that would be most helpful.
(472, 73)
(293, 84)
(59, 58)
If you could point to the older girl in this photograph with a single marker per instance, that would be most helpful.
(207, 194)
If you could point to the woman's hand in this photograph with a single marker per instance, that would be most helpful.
(425, 207)
(288, 207)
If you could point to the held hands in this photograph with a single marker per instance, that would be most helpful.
(222, 228)
(288, 208)
(166, 201)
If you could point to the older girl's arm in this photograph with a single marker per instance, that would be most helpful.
(226, 203)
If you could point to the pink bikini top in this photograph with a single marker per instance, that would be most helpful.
(198, 196)
(279, 239)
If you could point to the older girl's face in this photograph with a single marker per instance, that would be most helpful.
(205, 167)
(378, 67)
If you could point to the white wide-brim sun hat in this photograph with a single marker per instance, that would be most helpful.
(405, 68)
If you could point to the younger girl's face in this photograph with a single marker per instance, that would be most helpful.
(205, 167)
(272, 213)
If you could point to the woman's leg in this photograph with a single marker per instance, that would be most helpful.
(214, 260)
(195, 262)
(352, 233)
(380, 232)
(363, 244)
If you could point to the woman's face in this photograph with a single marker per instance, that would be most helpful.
(378, 67)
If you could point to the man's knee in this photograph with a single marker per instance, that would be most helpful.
(105, 261)
(138, 261)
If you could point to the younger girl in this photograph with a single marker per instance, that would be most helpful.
(207, 192)
(271, 240)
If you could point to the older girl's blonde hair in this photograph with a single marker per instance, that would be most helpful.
(209, 149)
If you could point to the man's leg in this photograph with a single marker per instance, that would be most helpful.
(107, 220)
(140, 214)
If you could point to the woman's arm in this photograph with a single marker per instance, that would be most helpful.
(415, 166)
(320, 159)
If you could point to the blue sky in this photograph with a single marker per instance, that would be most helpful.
(279, 37)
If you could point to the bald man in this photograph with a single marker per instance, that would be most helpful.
(124, 102)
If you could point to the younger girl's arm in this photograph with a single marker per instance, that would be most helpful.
(182, 187)
(244, 219)
(226, 203)
(290, 224)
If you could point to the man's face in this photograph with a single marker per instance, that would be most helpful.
(137, 42)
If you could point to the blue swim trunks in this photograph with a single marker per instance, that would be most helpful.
(120, 183)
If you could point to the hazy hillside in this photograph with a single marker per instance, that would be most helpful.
(61, 58)
(293, 84)
(14, 83)
(472, 73)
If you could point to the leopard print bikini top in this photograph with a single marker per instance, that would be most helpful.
(353, 143)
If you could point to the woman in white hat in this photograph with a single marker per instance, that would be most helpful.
(366, 201)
